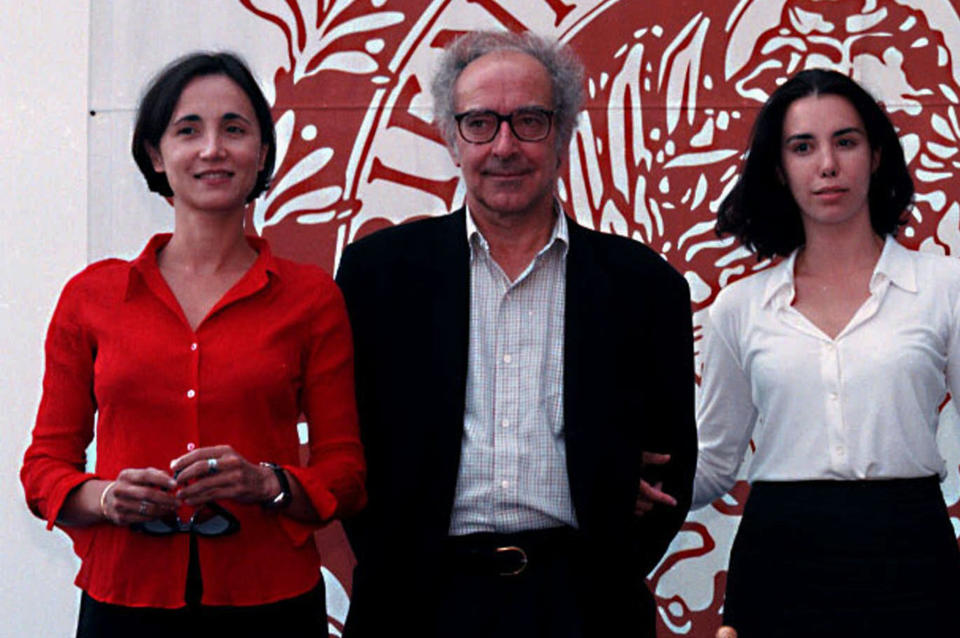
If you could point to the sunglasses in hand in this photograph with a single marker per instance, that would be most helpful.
(209, 520)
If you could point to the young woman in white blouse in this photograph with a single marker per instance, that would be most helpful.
(835, 362)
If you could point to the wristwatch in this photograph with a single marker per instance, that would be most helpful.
(282, 499)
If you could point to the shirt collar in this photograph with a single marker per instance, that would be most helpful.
(780, 285)
(144, 268)
(895, 265)
(559, 235)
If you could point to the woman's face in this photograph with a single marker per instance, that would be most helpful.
(211, 151)
(827, 161)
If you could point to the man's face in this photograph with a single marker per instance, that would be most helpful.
(506, 176)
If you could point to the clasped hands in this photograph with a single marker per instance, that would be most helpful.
(198, 477)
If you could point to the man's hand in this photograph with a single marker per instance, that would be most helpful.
(649, 495)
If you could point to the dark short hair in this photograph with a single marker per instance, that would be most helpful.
(163, 93)
(562, 65)
(760, 210)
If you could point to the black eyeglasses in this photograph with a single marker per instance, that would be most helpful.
(530, 124)
(209, 520)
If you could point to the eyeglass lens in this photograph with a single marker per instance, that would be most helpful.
(528, 125)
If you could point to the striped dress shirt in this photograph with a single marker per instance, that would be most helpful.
(513, 473)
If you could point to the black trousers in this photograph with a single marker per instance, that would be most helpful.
(844, 558)
(303, 615)
(481, 597)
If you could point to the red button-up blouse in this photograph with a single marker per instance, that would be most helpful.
(120, 353)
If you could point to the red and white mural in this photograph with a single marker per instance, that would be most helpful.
(673, 87)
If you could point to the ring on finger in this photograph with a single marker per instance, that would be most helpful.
(143, 507)
(211, 466)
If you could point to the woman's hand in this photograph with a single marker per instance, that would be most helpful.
(219, 472)
(137, 495)
(649, 495)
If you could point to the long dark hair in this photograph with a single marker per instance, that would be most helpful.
(760, 210)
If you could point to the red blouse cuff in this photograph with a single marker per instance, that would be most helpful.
(329, 499)
(59, 494)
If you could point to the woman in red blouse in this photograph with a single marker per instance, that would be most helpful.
(195, 361)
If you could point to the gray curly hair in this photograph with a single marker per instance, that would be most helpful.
(565, 70)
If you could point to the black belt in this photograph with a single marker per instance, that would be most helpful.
(510, 555)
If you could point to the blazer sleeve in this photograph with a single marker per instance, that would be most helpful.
(355, 287)
(670, 412)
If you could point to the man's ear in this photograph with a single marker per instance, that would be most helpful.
(155, 158)
(454, 153)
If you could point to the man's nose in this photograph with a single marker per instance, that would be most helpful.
(505, 142)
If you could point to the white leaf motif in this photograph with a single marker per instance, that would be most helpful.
(305, 168)
(314, 200)
(356, 62)
(627, 83)
(806, 22)
(699, 289)
(284, 131)
(338, 603)
(948, 229)
(700, 159)
(612, 220)
(864, 22)
(371, 22)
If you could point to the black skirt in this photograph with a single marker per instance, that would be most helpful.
(303, 615)
(844, 558)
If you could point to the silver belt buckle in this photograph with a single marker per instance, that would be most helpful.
(523, 559)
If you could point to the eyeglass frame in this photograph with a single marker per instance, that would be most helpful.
(508, 118)
(192, 526)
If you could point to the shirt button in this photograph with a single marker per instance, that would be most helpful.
(507, 358)
(834, 396)
(190, 446)
(505, 423)
(504, 484)
(191, 393)
(193, 346)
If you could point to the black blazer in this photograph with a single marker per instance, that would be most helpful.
(628, 387)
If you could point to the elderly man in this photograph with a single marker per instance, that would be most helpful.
(512, 370)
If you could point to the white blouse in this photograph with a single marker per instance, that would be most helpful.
(864, 405)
